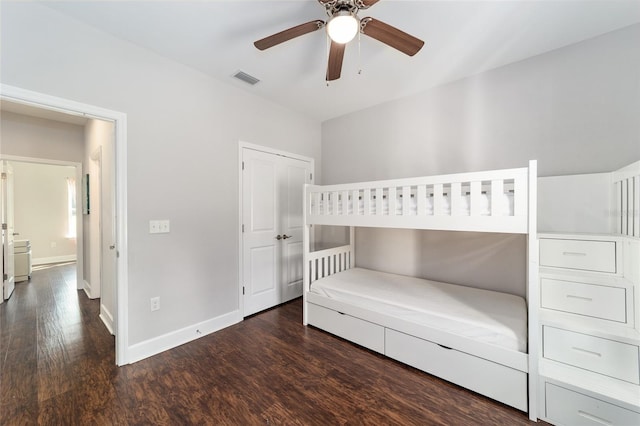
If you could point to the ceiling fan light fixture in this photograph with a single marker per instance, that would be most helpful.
(343, 27)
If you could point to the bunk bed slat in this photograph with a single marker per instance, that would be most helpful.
(367, 202)
(355, 201)
(474, 198)
(379, 201)
(406, 200)
(520, 203)
(422, 200)
(456, 199)
(624, 207)
(438, 200)
(391, 196)
(618, 206)
(636, 206)
(497, 193)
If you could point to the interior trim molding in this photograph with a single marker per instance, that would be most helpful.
(67, 106)
(159, 344)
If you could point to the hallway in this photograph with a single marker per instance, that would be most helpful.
(52, 347)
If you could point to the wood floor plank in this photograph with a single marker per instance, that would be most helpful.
(57, 367)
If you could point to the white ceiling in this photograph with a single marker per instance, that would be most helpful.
(461, 38)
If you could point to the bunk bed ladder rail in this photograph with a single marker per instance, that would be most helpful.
(627, 205)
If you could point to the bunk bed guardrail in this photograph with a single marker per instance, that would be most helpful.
(491, 201)
(627, 193)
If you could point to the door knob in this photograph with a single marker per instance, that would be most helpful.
(279, 237)
(285, 236)
(112, 246)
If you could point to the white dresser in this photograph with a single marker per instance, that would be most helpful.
(589, 338)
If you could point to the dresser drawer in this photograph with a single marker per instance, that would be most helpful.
(609, 303)
(599, 256)
(359, 331)
(566, 407)
(608, 357)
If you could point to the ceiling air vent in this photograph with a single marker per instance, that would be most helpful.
(241, 75)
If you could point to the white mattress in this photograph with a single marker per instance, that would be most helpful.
(483, 315)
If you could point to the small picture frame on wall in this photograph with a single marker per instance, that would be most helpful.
(86, 205)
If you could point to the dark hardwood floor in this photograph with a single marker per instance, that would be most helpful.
(57, 368)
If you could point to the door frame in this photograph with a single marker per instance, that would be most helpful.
(67, 106)
(79, 228)
(246, 145)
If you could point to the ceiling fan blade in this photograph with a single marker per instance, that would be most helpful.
(360, 4)
(391, 36)
(289, 34)
(336, 54)
(365, 4)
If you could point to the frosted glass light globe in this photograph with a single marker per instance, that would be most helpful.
(343, 27)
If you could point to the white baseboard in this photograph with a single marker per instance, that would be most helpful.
(106, 318)
(154, 346)
(87, 289)
(54, 259)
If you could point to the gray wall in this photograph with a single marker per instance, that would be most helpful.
(34, 137)
(574, 109)
(183, 133)
(41, 209)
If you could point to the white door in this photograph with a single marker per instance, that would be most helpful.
(295, 174)
(8, 281)
(272, 188)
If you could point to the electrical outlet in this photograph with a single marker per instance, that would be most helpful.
(155, 303)
(54, 244)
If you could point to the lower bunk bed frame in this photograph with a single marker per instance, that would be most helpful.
(502, 374)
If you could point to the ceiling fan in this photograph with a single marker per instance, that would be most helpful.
(342, 26)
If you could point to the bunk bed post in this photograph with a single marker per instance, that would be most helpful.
(352, 248)
(305, 254)
(532, 288)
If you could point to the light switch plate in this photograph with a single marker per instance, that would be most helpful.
(159, 226)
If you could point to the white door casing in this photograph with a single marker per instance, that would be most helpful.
(8, 281)
(40, 100)
(271, 214)
(108, 250)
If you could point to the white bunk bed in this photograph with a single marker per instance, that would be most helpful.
(479, 339)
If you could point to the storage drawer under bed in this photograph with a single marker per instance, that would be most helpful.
(587, 255)
(354, 329)
(496, 381)
(566, 408)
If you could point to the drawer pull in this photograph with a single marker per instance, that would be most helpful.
(586, 299)
(592, 353)
(594, 418)
(573, 253)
